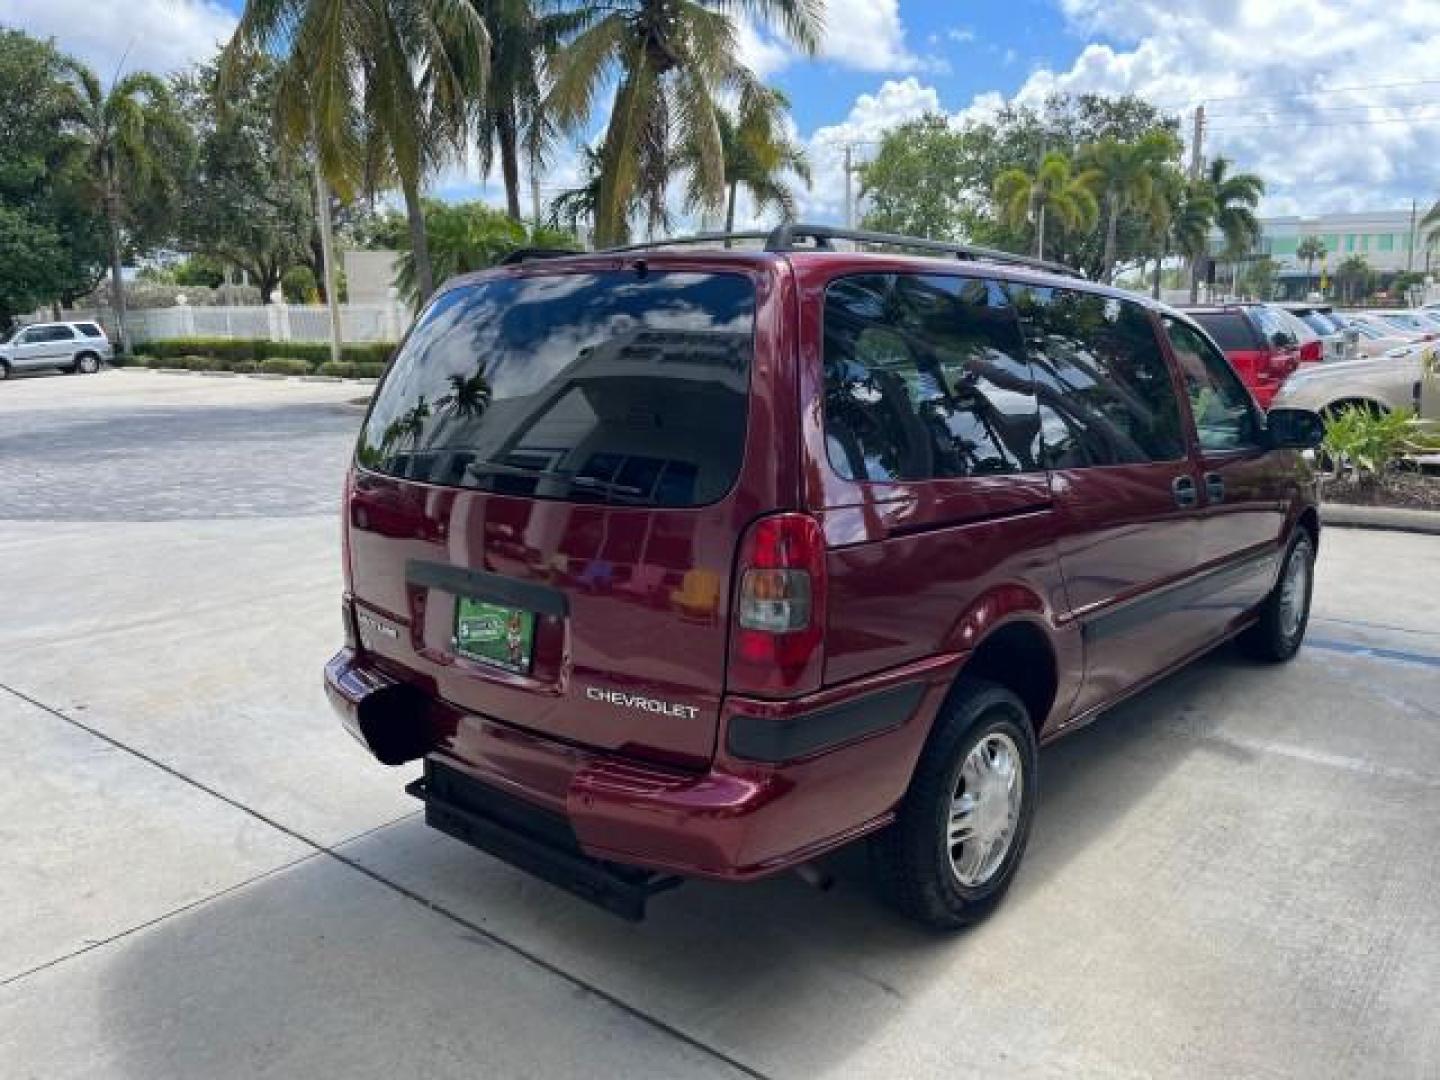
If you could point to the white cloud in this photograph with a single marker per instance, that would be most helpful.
(960, 34)
(896, 101)
(1275, 78)
(150, 35)
(866, 35)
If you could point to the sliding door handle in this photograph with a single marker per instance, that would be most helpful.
(1184, 489)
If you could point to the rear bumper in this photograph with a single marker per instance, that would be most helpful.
(819, 772)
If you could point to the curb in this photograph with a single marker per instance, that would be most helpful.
(267, 376)
(1387, 518)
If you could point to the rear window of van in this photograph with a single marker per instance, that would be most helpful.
(1230, 329)
(623, 387)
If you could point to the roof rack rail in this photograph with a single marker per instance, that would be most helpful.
(694, 238)
(529, 254)
(783, 238)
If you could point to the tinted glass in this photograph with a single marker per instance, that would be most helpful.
(608, 387)
(88, 329)
(1272, 324)
(1224, 414)
(55, 333)
(1106, 395)
(1230, 329)
(925, 378)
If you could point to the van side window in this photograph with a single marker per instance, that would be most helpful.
(1224, 414)
(1106, 395)
(926, 378)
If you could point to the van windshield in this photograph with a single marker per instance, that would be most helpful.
(619, 387)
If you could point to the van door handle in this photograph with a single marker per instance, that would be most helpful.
(1214, 487)
(1184, 489)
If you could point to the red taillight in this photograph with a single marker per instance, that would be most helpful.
(777, 644)
(1312, 352)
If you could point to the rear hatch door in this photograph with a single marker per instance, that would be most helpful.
(549, 489)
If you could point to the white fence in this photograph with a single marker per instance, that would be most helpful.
(277, 322)
(273, 322)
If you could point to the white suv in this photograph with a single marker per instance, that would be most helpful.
(80, 347)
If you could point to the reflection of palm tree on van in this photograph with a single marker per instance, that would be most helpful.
(408, 425)
(467, 397)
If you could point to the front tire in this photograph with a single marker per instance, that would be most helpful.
(1284, 615)
(4, 371)
(962, 827)
(86, 364)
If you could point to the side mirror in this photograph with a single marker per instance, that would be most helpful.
(1295, 429)
(1281, 340)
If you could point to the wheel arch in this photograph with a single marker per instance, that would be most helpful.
(1020, 655)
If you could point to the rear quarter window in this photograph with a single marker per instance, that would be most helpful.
(613, 387)
(88, 329)
(1229, 329)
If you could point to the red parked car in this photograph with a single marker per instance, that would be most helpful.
(673, 561)
(1261, 342)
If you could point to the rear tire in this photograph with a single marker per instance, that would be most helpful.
(4, 371)
(86, 364)
(961, 829)
(1284, 615)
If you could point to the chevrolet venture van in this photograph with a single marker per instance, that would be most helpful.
(691, 561)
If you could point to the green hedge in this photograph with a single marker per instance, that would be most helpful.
(352, 371)
(285, 365)
(252, 350)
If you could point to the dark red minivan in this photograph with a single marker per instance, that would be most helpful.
(680, 561)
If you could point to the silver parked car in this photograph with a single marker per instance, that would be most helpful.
(80, 347)
(1384, 384)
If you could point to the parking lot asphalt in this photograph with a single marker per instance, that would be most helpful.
(1234, 874)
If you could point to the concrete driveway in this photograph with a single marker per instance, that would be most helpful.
(201, 875)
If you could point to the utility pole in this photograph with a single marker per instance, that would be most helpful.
(1196, 141)
(849, 203)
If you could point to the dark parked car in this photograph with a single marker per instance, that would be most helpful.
(675, 561)
(1261, 343)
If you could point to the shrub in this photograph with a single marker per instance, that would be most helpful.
(1371, 443)
(254, 350)
(245, 367)
(284, 365)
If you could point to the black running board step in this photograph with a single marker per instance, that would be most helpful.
(467, 810)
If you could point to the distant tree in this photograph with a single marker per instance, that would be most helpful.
(470, 236)
(914, 184)
(1258, 280)
(1130, 175)
(1180, 214)
(758, 156)
(52, 236)
(1310, 248)
(137, 148)
(1055, 189)
(1235, 197)
(1354, 276)
(574, 209)
(249, 200)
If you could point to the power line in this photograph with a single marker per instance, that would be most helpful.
(1286, 95)
(1302, 125)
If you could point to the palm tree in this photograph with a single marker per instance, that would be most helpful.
(757, 155)
(1235, 195)
(1180, 215)
(671, 59)
(376, 85)
(575, 207)
(132, 137)
(469, 236)
(1353, 275)
(1054, 187)
(1129, 172)
(523, 41)
(1310, 248)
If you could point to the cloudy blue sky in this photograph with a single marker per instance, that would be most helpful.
(1335, 102)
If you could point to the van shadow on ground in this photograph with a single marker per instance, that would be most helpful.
(300, 968)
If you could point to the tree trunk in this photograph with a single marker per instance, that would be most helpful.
(419, 242)
(505, 135)
(1159, 264)
(1040, 231)
(117, 286)
(1194, 279)
(730, 209)
(1112, 226)
(327, 245)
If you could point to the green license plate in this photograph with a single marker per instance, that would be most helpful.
(494, 634)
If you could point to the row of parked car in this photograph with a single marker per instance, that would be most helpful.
(1312, 356)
